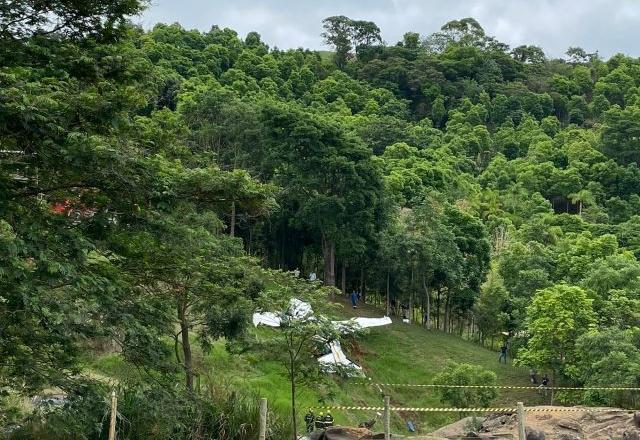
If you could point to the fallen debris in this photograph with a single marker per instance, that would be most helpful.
(336, 358)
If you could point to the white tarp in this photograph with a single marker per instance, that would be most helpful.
(364, 322)
(337, 357)
(297, 309)
(267, 318)
(372, 322)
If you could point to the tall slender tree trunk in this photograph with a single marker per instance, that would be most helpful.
(282, 243)
(473, 326)
(426, 291)
(388, 300)
(411, 296)
(343, 280)
(232, 228)
(447, 314)
(438, 310)
(292, 377)
(186, 344)
(329, 256)
(362, 286)
(411, 305)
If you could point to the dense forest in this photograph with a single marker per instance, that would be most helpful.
(159, 183)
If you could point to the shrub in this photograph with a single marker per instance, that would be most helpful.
(466, 374)
(148, 411)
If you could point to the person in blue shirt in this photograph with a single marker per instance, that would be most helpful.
(354, 299)
(503, 353)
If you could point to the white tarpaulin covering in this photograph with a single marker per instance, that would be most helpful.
(365, 322)
(337, 357)
(267, 318)
(297, 309)
(372, 322)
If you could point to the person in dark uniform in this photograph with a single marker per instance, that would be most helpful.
(319, 423)
(328, 420)
(503, 353)
(310, 420)
(544, 384)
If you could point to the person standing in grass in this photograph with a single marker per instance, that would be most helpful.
(354, 299)
(503, 353)
(544, 384)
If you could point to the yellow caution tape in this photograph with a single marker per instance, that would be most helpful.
(364, 408)
(489, 410)
(507, 387)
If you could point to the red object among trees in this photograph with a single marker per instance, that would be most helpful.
(61, 207)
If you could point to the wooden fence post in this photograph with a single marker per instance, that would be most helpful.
(521, 422)
(387, 419)
(263, 419)
(114, 412)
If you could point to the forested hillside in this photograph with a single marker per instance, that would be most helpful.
(156, 187)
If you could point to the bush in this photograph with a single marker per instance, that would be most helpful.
(466, 374)
(154, 412)
(83, 416)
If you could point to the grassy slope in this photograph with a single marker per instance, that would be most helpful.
(399, 353)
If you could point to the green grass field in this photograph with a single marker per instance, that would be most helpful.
(399, 353)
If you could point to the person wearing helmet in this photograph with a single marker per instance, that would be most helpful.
(320, 421)
(310, 420)
(328, 420)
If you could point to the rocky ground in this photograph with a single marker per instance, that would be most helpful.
(550, 424)
(547, 423)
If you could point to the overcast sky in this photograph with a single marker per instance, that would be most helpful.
(608, 26)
